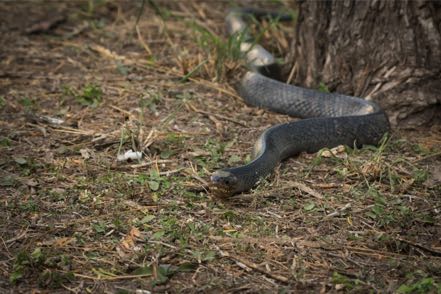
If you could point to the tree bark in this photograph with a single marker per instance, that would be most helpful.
(385, 50)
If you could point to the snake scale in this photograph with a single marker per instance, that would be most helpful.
(330, 119)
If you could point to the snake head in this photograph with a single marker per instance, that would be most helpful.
(223, 184)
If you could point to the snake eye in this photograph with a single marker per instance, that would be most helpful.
(223, 183)
(224, 178)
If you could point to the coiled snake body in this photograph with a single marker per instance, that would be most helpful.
(330, 119)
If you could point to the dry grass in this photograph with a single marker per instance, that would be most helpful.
(76, 220)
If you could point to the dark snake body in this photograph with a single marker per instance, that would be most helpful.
(330, 119)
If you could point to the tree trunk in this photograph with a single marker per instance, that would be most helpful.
(385, 50)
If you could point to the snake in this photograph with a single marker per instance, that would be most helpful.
(328, 119)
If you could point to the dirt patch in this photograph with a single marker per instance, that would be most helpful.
(84, 82)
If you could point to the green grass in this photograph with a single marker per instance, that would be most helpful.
(419, 285)
(219, 52)
(344, 282)
(323, 88)
(2, 102)
(90, 95)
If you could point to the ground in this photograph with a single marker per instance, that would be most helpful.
(82, 82)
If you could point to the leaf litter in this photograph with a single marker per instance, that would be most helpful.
(76, 219)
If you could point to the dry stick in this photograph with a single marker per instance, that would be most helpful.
(252, 240)
(220, 116)
(417, 245)
(372, 252)
(300, 186)
(141, 208)
(307, 190)
(169, 172)
(338, 211)
(7, 252)
(254, 266)
(62, 129)
(142, 41)
(106, 52)
(212, 85)
(212, 117)
(427, 157)
(17, 237)
(328, 185)
(199, 10)
(65, 129)
(126, 277)
(196, 177)
(291, 73)
(121, 110)
(151, 163)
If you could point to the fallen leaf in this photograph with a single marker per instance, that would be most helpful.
(310, 206)
(86, 153)
(32, 183)
(339, 151)
(43, 26)
(20, 160)
(58, 242)
(371, 169)
(154, 185)
(129, 240)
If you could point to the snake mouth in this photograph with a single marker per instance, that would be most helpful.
(220, 191)
(223, 184)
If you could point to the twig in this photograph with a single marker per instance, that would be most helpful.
(169, 172)
(291, 73)
(292, 185)
(63, 129)
(307, 190)
(196, 177)
(253, 266)
(151, 162)
(106, 52)
(115, 278)
(220, 116)
(427, 157)
(163, 244)
(338, 211)
(381, 254)
(417, 245)
(282, 240)
(121, 110)
(18, 237)
(142, 41)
